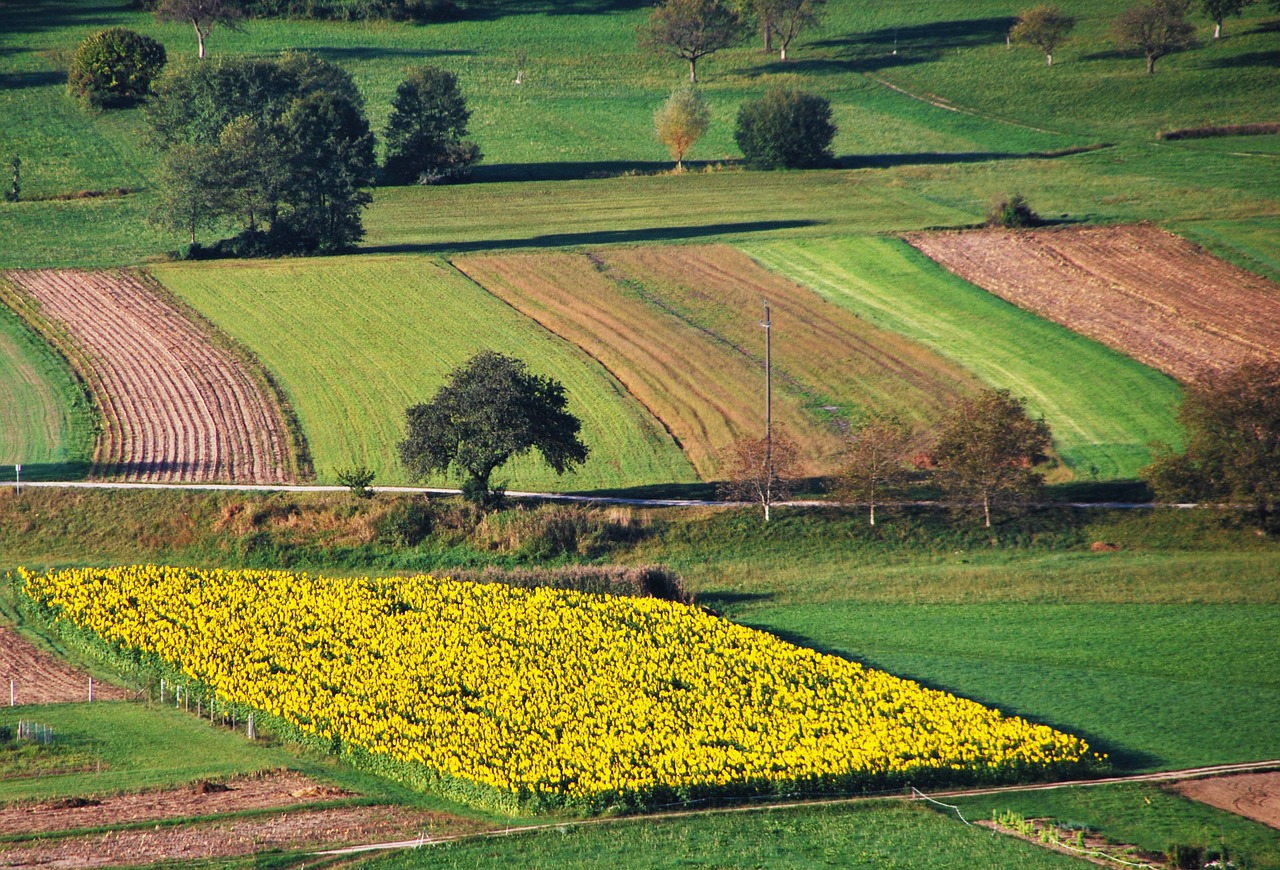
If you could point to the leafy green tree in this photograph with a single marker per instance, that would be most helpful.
(875, 466)
(986, 452)
(785, 129)
(761, 470)
(201, 15)
(1155, 28)
(691, 30)
(489, 410)
(681, 121)
(1219, 10)
(1232, 421)
(114, 68)
(1044, 26)
(425, 132)
(190, 192)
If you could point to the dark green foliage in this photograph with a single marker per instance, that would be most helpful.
(425, 132)
(785, 129)
(1155, 28)
(1233, 442)
(114, 68)
(986, 452)
(1012, 212)
(357, 480)
(489, 410)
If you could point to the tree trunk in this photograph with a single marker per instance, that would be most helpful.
(693, 72)
(199, 37)
(1217, 29)
(782, 53)
(1048, 59)
(1151, 64)
(986, 509)
(873, 512)
(767, 27)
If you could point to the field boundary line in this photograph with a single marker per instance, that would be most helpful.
(940, 103)
(915, 795)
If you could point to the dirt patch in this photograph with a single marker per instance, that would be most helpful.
(1252, 795)
(40, 678)
(177, 405)
(1151, 295)
(300, 829)
(283, 789)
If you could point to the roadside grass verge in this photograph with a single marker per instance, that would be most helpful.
(1104, 408)
(354, 341)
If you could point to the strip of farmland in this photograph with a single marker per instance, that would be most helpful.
(679, 326)
(177, 407)
(1144, 292)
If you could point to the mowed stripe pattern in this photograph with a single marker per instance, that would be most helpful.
(1144, 292)
(177, 406)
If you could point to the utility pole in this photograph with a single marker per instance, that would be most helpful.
(768, 410)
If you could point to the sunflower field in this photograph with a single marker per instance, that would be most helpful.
(548, 697)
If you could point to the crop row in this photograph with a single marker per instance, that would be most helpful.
(555, 697)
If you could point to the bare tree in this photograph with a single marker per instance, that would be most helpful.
(876, 463)
(690, 29)
(202, 15)
(1156, 28)
(681, 121)
(1045, 27)
(761, 470)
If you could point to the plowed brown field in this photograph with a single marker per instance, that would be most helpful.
(680, 328)
(39, 678)
(1144, 292)
(178, 407)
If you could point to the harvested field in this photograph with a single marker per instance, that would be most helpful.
(300, 829)
(40, 678)
(177, 405)
(1138, 289)
(680, 327)
(1253, 795)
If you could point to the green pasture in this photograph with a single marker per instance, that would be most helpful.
(354, 341)
(48, 425)
(1104, 408)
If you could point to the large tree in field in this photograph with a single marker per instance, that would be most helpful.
(1219, 10)
(681, 121)
(1155, 28)
(875, 466)
(201, 15)
(761, 470)
(691, 29)
(987, 450)
(1045, 27)
(425, 132)
(489, 410)
(786, 19)
(1232, 420)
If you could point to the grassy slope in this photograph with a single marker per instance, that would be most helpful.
(1104, 408)
(354, 341)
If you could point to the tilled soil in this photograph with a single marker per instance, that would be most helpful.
(1252, 795)
(178, 406)
(1151, 295)
(40, 678)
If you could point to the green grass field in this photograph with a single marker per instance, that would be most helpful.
(1105, 410)
(355, 341)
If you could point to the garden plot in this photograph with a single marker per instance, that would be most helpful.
(1149, 294)
(177, 406)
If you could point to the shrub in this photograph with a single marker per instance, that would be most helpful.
(785, 129)
(1012, 212)
(357, 479)
(114, 68)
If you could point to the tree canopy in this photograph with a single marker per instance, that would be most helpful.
(114, 68)
(1043, 26)
(785, 129)
(691, 29)
(875, 466)
(490, 410)
(425, 131)
(761, 470)
(1155, 28)
(681, 121)
(202, 15)
(1232, 421)
(1219, 10)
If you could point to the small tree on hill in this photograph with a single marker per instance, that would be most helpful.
(761, 470)
(681, 121)
(986, 452)
(1155, 28)
(1232, 420)
(489, 410)
(1013, 213)
(1219, 10)
(785, 129)
(1045, 27)
(875, 465)
(114, 68)
(424, 134)
(691, 30)
(786, 19)
(202, 15)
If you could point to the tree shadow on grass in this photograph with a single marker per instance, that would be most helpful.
(347, 54)
(47, 471)
(1266, 59)
(595, 238)
(34, 16)
(20, 80)
(575, 170)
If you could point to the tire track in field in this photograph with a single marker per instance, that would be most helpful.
(177, 406)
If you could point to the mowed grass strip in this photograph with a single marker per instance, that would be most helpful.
(706, 392)
(1105, 408)
(836, 364)
(356, 340)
